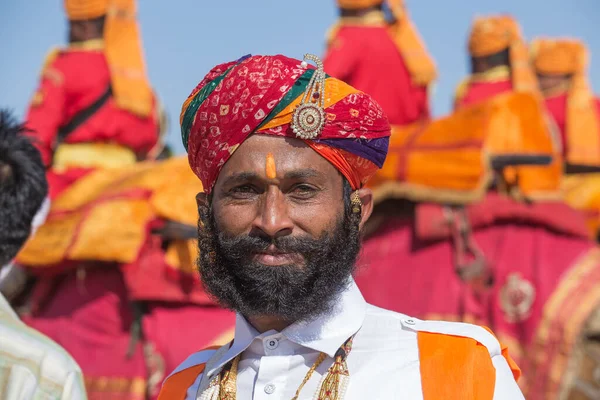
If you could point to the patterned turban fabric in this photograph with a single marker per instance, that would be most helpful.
(258, 95)
(492, 34)
(123, 49)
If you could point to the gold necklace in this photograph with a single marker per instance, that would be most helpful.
(332, 387)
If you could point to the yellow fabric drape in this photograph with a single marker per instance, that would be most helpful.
(569, 57)
(104, 216)
(427, 164)
(403, 32)
(123, 49)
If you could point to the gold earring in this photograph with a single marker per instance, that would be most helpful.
(356, 203)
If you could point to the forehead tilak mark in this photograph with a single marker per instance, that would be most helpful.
(270, 169)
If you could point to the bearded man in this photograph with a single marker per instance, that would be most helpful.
(283, 152)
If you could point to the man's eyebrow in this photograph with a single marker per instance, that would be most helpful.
(241, 177)
(303, 174)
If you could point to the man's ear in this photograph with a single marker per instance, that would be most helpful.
(366, 199)
(203, 204)
(202, 200)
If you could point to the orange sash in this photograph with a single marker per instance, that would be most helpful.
(455, 367)
(176, 386)
(452, 367)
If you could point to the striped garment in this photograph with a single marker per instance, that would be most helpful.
(33, 366)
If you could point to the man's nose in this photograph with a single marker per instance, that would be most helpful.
(273, 218)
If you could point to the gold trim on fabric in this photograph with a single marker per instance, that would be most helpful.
(135, 386)
(92, 155)
(567, 290)
(496, 74)
(93, 44)
(371, 18)
(54, 75)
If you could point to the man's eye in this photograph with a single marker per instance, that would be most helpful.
(244, 190)
(303, 190)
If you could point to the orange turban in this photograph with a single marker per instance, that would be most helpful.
(490, 35)
(559, 56)
(569, 57)
(85, 9)
(358, 4)
(403, 32)
(123, 48)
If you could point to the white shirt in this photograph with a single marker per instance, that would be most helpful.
(33, 366)
(383, 363)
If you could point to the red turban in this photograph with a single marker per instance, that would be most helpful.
(259, 94)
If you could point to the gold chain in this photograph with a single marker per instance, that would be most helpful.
(312, 369)
(331, 387)
(228, 381)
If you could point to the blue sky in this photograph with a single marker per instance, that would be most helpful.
(183, 39)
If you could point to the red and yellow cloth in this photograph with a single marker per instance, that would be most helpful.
(112, 136)
(258, 94)
(107, 215)
(493, 34)
(123, 49)
(405, 35)
(448, 160)
(360, 48)
(582, 119)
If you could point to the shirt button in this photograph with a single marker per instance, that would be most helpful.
(409, 321)
(272, 343)
(270, 388)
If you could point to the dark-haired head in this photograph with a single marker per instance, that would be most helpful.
(23, 186)
(485, 63)
(88, 29)
(359, 12)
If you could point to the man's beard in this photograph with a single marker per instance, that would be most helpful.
(291, 292)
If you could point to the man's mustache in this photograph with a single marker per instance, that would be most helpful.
(243, 245)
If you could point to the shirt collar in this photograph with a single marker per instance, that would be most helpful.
(325, 334)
